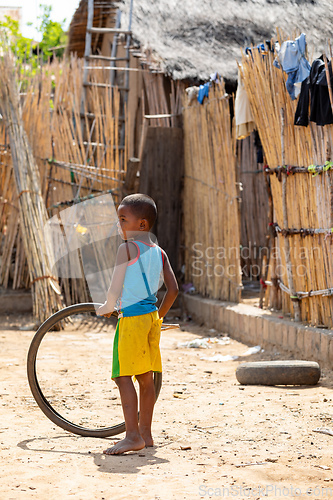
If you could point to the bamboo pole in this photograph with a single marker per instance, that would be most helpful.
(289, 270)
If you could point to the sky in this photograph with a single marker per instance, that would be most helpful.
(61, 9)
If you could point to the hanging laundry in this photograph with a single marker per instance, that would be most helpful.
(271, 46)
(260, 47)
(215, 77)
(203, 92)
(291, 56)
(316, 88)
(243, 115)
(192, 94)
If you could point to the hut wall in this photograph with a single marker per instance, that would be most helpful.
(161, 177)
(253, 208)
(211, 200)
(308, 197)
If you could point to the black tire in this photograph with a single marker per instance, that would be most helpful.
(39, 397)
(278, 373)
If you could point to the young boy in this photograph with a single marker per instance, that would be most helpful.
(139, 266)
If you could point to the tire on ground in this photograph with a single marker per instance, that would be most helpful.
(291, 372)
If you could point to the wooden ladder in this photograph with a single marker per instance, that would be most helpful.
(113, 59)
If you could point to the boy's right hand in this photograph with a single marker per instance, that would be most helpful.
(104, 310)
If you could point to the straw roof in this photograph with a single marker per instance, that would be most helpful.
(77, 28)
(192, 39)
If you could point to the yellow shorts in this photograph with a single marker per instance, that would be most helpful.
(136, 345)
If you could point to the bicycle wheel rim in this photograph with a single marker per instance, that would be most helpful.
(36, 390)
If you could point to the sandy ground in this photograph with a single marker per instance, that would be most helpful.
(214, 438)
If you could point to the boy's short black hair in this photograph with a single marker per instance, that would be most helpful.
(142, 205)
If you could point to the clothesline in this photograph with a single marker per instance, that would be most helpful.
(293, 169)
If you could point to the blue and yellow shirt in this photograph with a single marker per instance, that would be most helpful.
(143, 278)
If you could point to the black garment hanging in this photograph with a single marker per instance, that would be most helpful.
(315, 90)
(302, 111)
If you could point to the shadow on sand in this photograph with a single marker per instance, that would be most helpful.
(129, 463)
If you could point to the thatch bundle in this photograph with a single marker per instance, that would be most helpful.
(211, 199)
(307, 204)
(32, 212)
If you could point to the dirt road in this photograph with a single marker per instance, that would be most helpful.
(214, 438)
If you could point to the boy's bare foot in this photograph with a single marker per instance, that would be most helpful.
(125, 445)
(148, 438)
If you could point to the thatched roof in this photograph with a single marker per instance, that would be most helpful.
(77, 28)
(194, 38)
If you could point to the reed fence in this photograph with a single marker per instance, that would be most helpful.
(211, 199)
(301, 263)
(78, 157)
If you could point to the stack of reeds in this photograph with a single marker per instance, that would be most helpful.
(76, 158)
(32, 212)
(211, 199)
(306, 201)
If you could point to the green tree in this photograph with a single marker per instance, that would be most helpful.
(52, 32)
(25, 49)
(12, 37)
